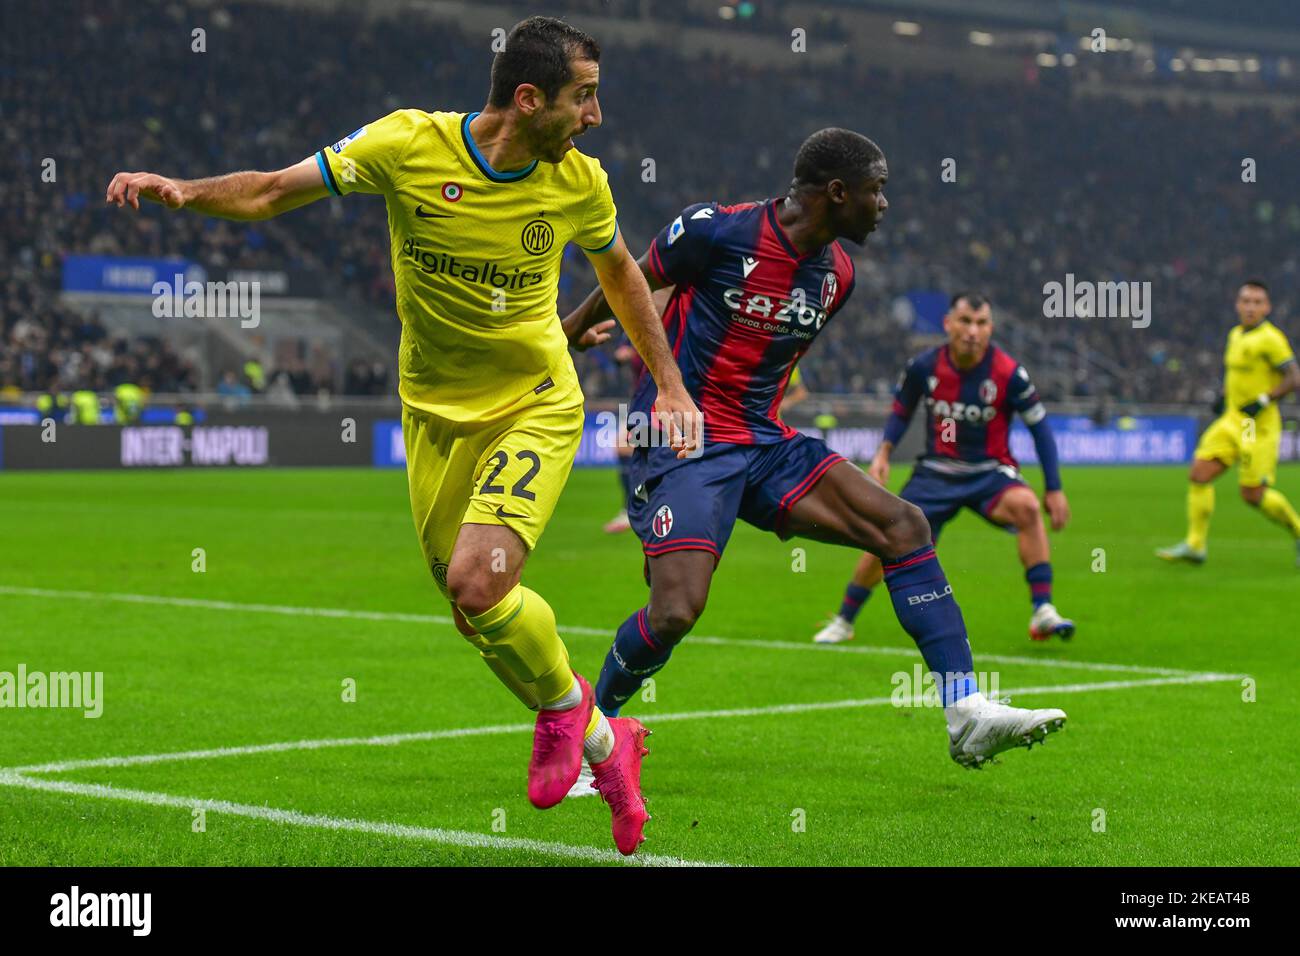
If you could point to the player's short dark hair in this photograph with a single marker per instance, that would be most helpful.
(973, 299)
(1257, 283)
(835, 153)
(539, 51)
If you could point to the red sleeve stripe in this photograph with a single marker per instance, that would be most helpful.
(656, 265)
(845, 271)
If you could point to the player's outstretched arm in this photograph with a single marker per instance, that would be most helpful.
(627, 292)
(244, 195)
(590, 323)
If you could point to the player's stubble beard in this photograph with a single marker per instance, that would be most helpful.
(550, 135)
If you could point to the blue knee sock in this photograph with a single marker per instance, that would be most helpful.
(635, 654)
(855, 595)
(928, 612)
(1040, 583)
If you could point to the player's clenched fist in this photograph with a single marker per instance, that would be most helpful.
(678, 416)
(130, 188)
(1058, 509)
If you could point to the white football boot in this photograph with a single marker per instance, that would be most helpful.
(617, 524)
(582, 787)
(836, 631)
(979, 728)
(1182, 551)
(1047, 621)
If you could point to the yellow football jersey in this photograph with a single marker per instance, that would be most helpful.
(476, 257)
(1251, 364)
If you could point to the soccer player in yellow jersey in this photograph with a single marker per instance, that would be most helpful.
(480, 208)
(1259, 369)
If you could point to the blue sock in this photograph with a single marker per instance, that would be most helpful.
(928, 612)
(1040, 583)
(855, 595)
(635, 654)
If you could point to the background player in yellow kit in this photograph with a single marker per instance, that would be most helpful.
(1259, 368)
(480, 208)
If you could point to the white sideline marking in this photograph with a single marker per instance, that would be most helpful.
(912, 652)
(463, 838)
(209, 605)
(344, 613)
(385, 740)
(392, 739)
(16, 777)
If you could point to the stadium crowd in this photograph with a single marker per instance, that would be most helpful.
(1048, 183)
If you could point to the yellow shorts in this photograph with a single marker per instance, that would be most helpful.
(507, 472)
(1250, 443)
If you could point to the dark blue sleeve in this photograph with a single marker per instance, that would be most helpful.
(911, 386)
(1024, 397)
(1045, 445)
(681, 250)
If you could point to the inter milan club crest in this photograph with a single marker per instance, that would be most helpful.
(663, 522)
(988, 391)
(829, 287)
(451, 192)
(538, 237)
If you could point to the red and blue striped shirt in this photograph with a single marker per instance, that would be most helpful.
(745, 307)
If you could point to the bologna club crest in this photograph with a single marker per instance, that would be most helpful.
(988, 391)
(663, 522)
(829, 287)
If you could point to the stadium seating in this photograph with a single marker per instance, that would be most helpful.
(1048, 183)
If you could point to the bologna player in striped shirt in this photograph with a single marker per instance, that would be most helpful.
(971, 389)
(753, 284)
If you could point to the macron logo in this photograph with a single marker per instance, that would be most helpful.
(103, 909)
(748, 264)
(705, 213)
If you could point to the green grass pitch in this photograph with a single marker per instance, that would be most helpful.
(1158, 765)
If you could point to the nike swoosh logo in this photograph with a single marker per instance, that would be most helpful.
(502, 513)
(419, 211)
